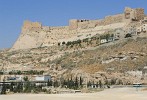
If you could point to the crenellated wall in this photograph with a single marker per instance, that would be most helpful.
(31, 26)
(134, 14)
(83, 24)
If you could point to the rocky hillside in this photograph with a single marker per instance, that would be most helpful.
(110, 60)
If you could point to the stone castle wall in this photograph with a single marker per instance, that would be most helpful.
(111, 19)
(34, 34)
(28, 25)
(128, 15)
(140, 13)
(73, 24)
(134, 14)
(83, 24)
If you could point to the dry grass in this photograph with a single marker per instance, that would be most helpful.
(144, 89)
(92, 68)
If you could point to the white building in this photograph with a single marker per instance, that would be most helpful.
(144, 27)
(144, 71)
(139, 29)
(43, 78)
(145, 20)
(103, 41)
(15, 78)
(119, 34)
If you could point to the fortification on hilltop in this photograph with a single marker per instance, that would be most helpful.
(134, 14)
(34, 35)
(31, 26)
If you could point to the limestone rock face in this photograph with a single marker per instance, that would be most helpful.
(25, 42)
(30, 36)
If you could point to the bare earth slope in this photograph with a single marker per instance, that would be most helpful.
(116, 57)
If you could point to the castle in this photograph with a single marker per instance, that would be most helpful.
(35, 35)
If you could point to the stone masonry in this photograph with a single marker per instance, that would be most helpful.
(34, 34)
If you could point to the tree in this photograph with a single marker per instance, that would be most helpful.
(106, 82)
(68, 43)
(1, 73)
(79, 41)
(12, 86)
(100, 83)
(89, 84)
(27, 87)
(19, 87)
(19, 72)
(112, 35)
(64, 83)
(71, 46)
(49, 83)
(59, 44)
(63, 43)
(81, 81)
(70, 83)
(107, 36)
(113, 81)
(97, 84)
(41, 72)
(85, 40)
(128, 35)
(76, 83)
(56, 84)
(25, 78)
(3, 89)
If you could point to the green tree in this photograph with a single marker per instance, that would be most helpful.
(89, 84)
(19, 72)
(41, 72)
(64, 83)
(68, 43)
(4, 88)
(100, 83)
(56, 84)
(1, 73)
(97, 84)
(63, 43)
(68, 83)
(59, 44)
(76, 83)
(79, 41)
(81, 81)
(49, 83)
(128, 35)
(25, 78)
(12, 87)
(27, 87)
(107, 36)
(19, 87)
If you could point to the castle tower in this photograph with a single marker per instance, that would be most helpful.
(134, 14)
(28, 25)
(73, 24)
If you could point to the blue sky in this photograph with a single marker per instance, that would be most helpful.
(54, 13)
